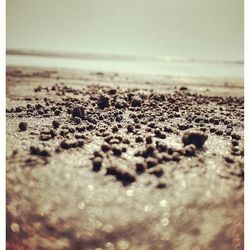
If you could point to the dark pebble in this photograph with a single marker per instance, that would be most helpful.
(34, 150)
(44, 153)
(229, 132)
(183, 126)
(219, 132)
(158, 172)
(229, 159)
(151, 162)
(56, 124)
(175, 156)
(97, 164)
(136, 102)
(78, 112)
(57, 112)
(162, 147)
(37, 151)
(23, 126)
(140, 168)
(235, 136)
(139, 139)
(195, 137)
(212, 130)
(168, 129)
(149, 151)
(103, 102)
(115, 129)
(112, 91)
(79, 136)
(149, 140)
(71, 144)
(77, 120)
(121, 104)
(235, 142)
(161, 185)
(216, 121)
(183, 88)
(117, 151)
(119, 118)
(105, 147)
(98, 154)
(130, 128)
(190, 150)
(122, 175)
(19, 109)
(126, 141)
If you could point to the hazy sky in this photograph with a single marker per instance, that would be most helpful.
(211, 29)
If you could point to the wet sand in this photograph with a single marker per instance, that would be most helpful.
(109, 161)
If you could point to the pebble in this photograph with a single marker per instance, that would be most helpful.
(56, 124)
(105, 147)
(124, 176)
(19, 109)
(97, 164)
(117, 151)
(103, 102)
(140, 167)
(112, 91)
(235, 136)
(67, 144)
(176, 156)
(37, 151)
(219, 132)
(34, 150)
(149, 140)
(78, 112)
(130, 128)
(77, 120)
(161, 185)
(168, 129)
(190, 150)
(229, 159)
(57, 112)
(195, 137)
(157, 171)
(151, 162)
(235, 142)
(136, 102)
(115, 129)
(155, 118)
(23, 126)
(138, 139)
(121, 104)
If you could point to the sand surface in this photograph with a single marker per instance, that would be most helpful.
(99, 161)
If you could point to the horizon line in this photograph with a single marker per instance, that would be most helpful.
(112, 57)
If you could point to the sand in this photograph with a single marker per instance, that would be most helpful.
(109, 161)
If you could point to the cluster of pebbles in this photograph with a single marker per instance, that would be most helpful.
(133, 126)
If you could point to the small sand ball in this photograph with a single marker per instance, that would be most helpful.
(23, 126)
(121, 104)
(136, 102)
(103, 102)
(56, 124)
(97, 164)
(190, 150)
(194, 137)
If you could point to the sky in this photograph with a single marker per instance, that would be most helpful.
(201, 29)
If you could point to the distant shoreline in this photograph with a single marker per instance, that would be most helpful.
(115, 57)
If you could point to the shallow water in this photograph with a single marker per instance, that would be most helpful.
(157, 66)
